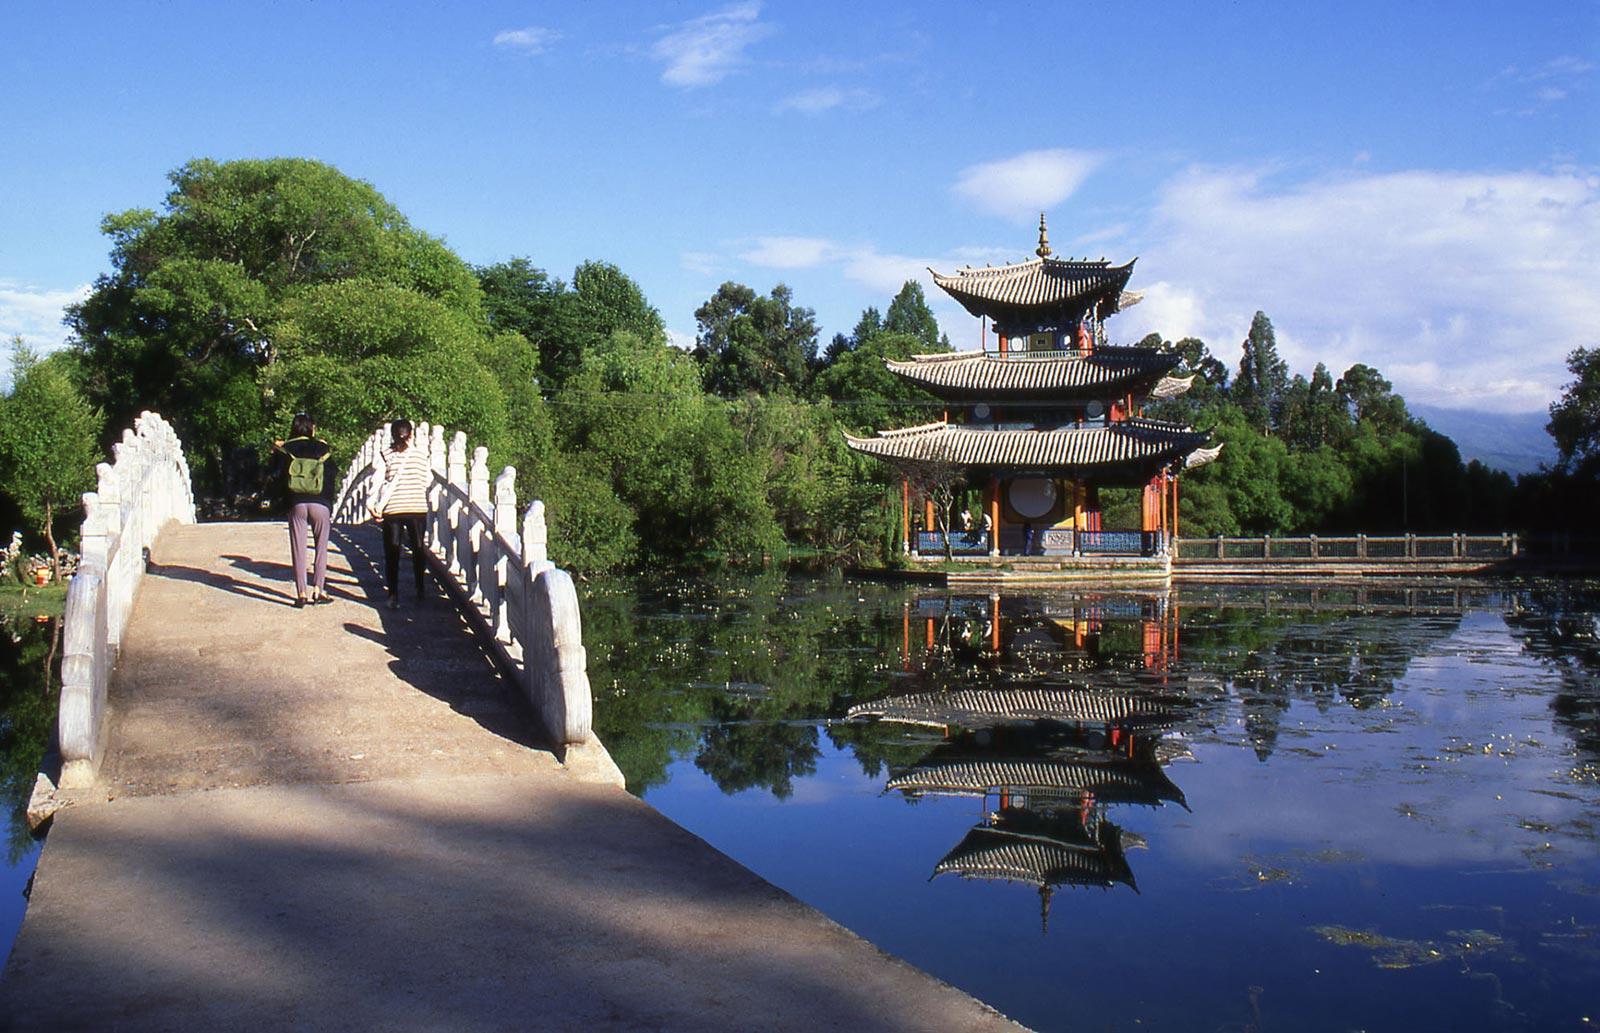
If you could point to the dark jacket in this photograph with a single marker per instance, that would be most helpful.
(304, 448)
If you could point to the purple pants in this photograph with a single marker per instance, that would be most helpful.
(301, 514)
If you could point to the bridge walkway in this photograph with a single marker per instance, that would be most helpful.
(334, 818)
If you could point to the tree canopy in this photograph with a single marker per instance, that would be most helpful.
(267, 287)
(749, 343)
(48, 444)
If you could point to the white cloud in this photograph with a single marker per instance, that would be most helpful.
(789, 252)
(1465, 290)
(829, 98)
(705, 50)
(532, 40)
(1538, 88)
(34, 314)
(1021, 187)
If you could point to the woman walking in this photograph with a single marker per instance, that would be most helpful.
(307, 475)
(403, 506)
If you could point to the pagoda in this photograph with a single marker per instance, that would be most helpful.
(1046, 418)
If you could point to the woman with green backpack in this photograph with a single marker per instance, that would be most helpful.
(302, 463)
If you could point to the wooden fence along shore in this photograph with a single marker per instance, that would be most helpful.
(1344, 556)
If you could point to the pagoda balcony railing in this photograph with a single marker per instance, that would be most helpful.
(1017, 541)
(962, 543)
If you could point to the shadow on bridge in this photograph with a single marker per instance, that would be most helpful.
(381, 850)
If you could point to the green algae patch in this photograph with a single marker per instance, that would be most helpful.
(1394, 953)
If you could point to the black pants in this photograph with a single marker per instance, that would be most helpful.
(397, 526)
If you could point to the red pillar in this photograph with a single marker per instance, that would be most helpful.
(905, 512)
(994, 516)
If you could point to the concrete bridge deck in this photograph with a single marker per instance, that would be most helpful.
(335, 819)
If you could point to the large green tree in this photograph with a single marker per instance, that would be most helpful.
(749, 343)
(566, 323)
(909, 313)
(252, 263)
(1575, 418)
(1263, 377)
(48, 434)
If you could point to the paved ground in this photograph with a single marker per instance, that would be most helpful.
(334, 819)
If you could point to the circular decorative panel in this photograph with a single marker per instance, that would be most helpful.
(1033, 497)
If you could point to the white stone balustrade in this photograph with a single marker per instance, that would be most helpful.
(144, 487)
(527, 607)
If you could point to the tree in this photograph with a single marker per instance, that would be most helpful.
(1575, 418)
(47, 442)
(1371, 401)
(909, 314)
(1263, 376)
(672, 455)
(189, 321)
(1314, 414)
(750, 343)
(870, 395)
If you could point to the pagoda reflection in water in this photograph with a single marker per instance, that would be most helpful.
(1047, 760)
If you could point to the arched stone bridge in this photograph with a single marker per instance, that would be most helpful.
(350, 818)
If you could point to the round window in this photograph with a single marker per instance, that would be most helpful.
(1033, 497)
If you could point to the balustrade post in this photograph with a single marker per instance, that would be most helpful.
(478, 495)
(535, 538)
(456, 473)
(439, 461)
(1361, 546)
(1315, 552)
(507, 548)
(1266, 546)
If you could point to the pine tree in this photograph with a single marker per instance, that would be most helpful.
(1263, 377)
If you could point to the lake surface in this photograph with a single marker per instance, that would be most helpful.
(1205, 809)
(29, 689)
(1195, 810)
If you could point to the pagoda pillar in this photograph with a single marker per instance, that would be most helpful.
(905, 516)
(994, 516)
(1174, 512)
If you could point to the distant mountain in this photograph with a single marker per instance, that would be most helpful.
(1516, 442)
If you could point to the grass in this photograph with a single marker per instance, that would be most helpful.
(31, 601)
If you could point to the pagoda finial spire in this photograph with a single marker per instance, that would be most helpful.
(1043, 250)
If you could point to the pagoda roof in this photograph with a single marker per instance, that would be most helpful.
(1045, 286)
(1132, 783)
(981, 708)
(989, 853)
(1137, 443)
(1102, 373)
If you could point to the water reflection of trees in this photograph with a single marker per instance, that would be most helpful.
(29, 660)
(745, 675)
(1559, 623)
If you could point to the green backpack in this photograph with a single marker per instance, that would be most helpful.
(305, 475)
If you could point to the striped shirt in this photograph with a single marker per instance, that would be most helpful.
(408, 475)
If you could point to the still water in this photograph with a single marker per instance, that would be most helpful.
(29, 670)
(1204, 809)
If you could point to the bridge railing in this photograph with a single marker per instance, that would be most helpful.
(145, 486)
(498, 563)
(1378, 548)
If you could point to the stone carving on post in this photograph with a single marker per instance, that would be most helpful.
(555, 664)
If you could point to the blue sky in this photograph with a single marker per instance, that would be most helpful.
(1415, 186)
